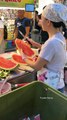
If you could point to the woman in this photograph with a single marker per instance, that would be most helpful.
(51, 60)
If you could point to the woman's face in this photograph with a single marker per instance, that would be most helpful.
(44, 23)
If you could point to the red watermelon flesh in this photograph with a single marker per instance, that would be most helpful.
(7, 64)
(18, 43)
(25, 48)
(18, 58)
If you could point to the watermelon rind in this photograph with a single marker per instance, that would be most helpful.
(12, 68)
(5, 66)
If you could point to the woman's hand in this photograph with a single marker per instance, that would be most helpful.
(22, 54)
(24, 57)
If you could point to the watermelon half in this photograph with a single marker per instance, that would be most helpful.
(20, 44)
(7, 64)
(18, 59)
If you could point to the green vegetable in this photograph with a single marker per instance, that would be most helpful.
(4, 73)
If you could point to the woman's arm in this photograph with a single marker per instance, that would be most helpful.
(38, 64)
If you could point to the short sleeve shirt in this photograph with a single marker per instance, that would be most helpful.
(21, 24)
(53, 51)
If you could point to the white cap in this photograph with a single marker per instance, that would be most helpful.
(55, 12)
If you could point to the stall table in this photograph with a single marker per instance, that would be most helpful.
(22, 76)
(19, 75)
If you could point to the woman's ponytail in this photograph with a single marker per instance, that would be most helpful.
(64, 29)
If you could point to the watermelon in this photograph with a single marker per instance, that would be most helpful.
(18, 59)
(20, 44)
(7, 64)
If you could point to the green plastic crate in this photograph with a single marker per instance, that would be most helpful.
(32, 99)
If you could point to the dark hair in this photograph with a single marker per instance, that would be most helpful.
(5, 32)
(65, 33)
(60, 24)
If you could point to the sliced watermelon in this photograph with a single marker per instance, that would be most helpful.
(20, 44)
(7, 64)
(18, 59)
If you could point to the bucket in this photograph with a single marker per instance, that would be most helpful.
(6, 88)
(33, 99)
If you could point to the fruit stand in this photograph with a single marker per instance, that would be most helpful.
(8, 13)
(14, 69)
(21, 73)
(35, 97)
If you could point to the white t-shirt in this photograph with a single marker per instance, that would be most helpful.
(54, 52)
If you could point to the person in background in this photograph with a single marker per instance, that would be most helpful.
(2, 43)
(5, 32)
(35, 33)
(22, 25)
(44, 34)
(36, 21)
(52, 57)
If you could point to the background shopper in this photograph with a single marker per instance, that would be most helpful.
(21, 24)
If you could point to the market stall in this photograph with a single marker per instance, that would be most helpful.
(8, 15)
(21, 74)
(35, 99)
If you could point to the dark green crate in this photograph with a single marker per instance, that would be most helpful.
(35, 98)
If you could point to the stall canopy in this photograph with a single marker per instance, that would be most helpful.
(15, 3)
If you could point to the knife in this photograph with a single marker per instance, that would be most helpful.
(25, 38)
